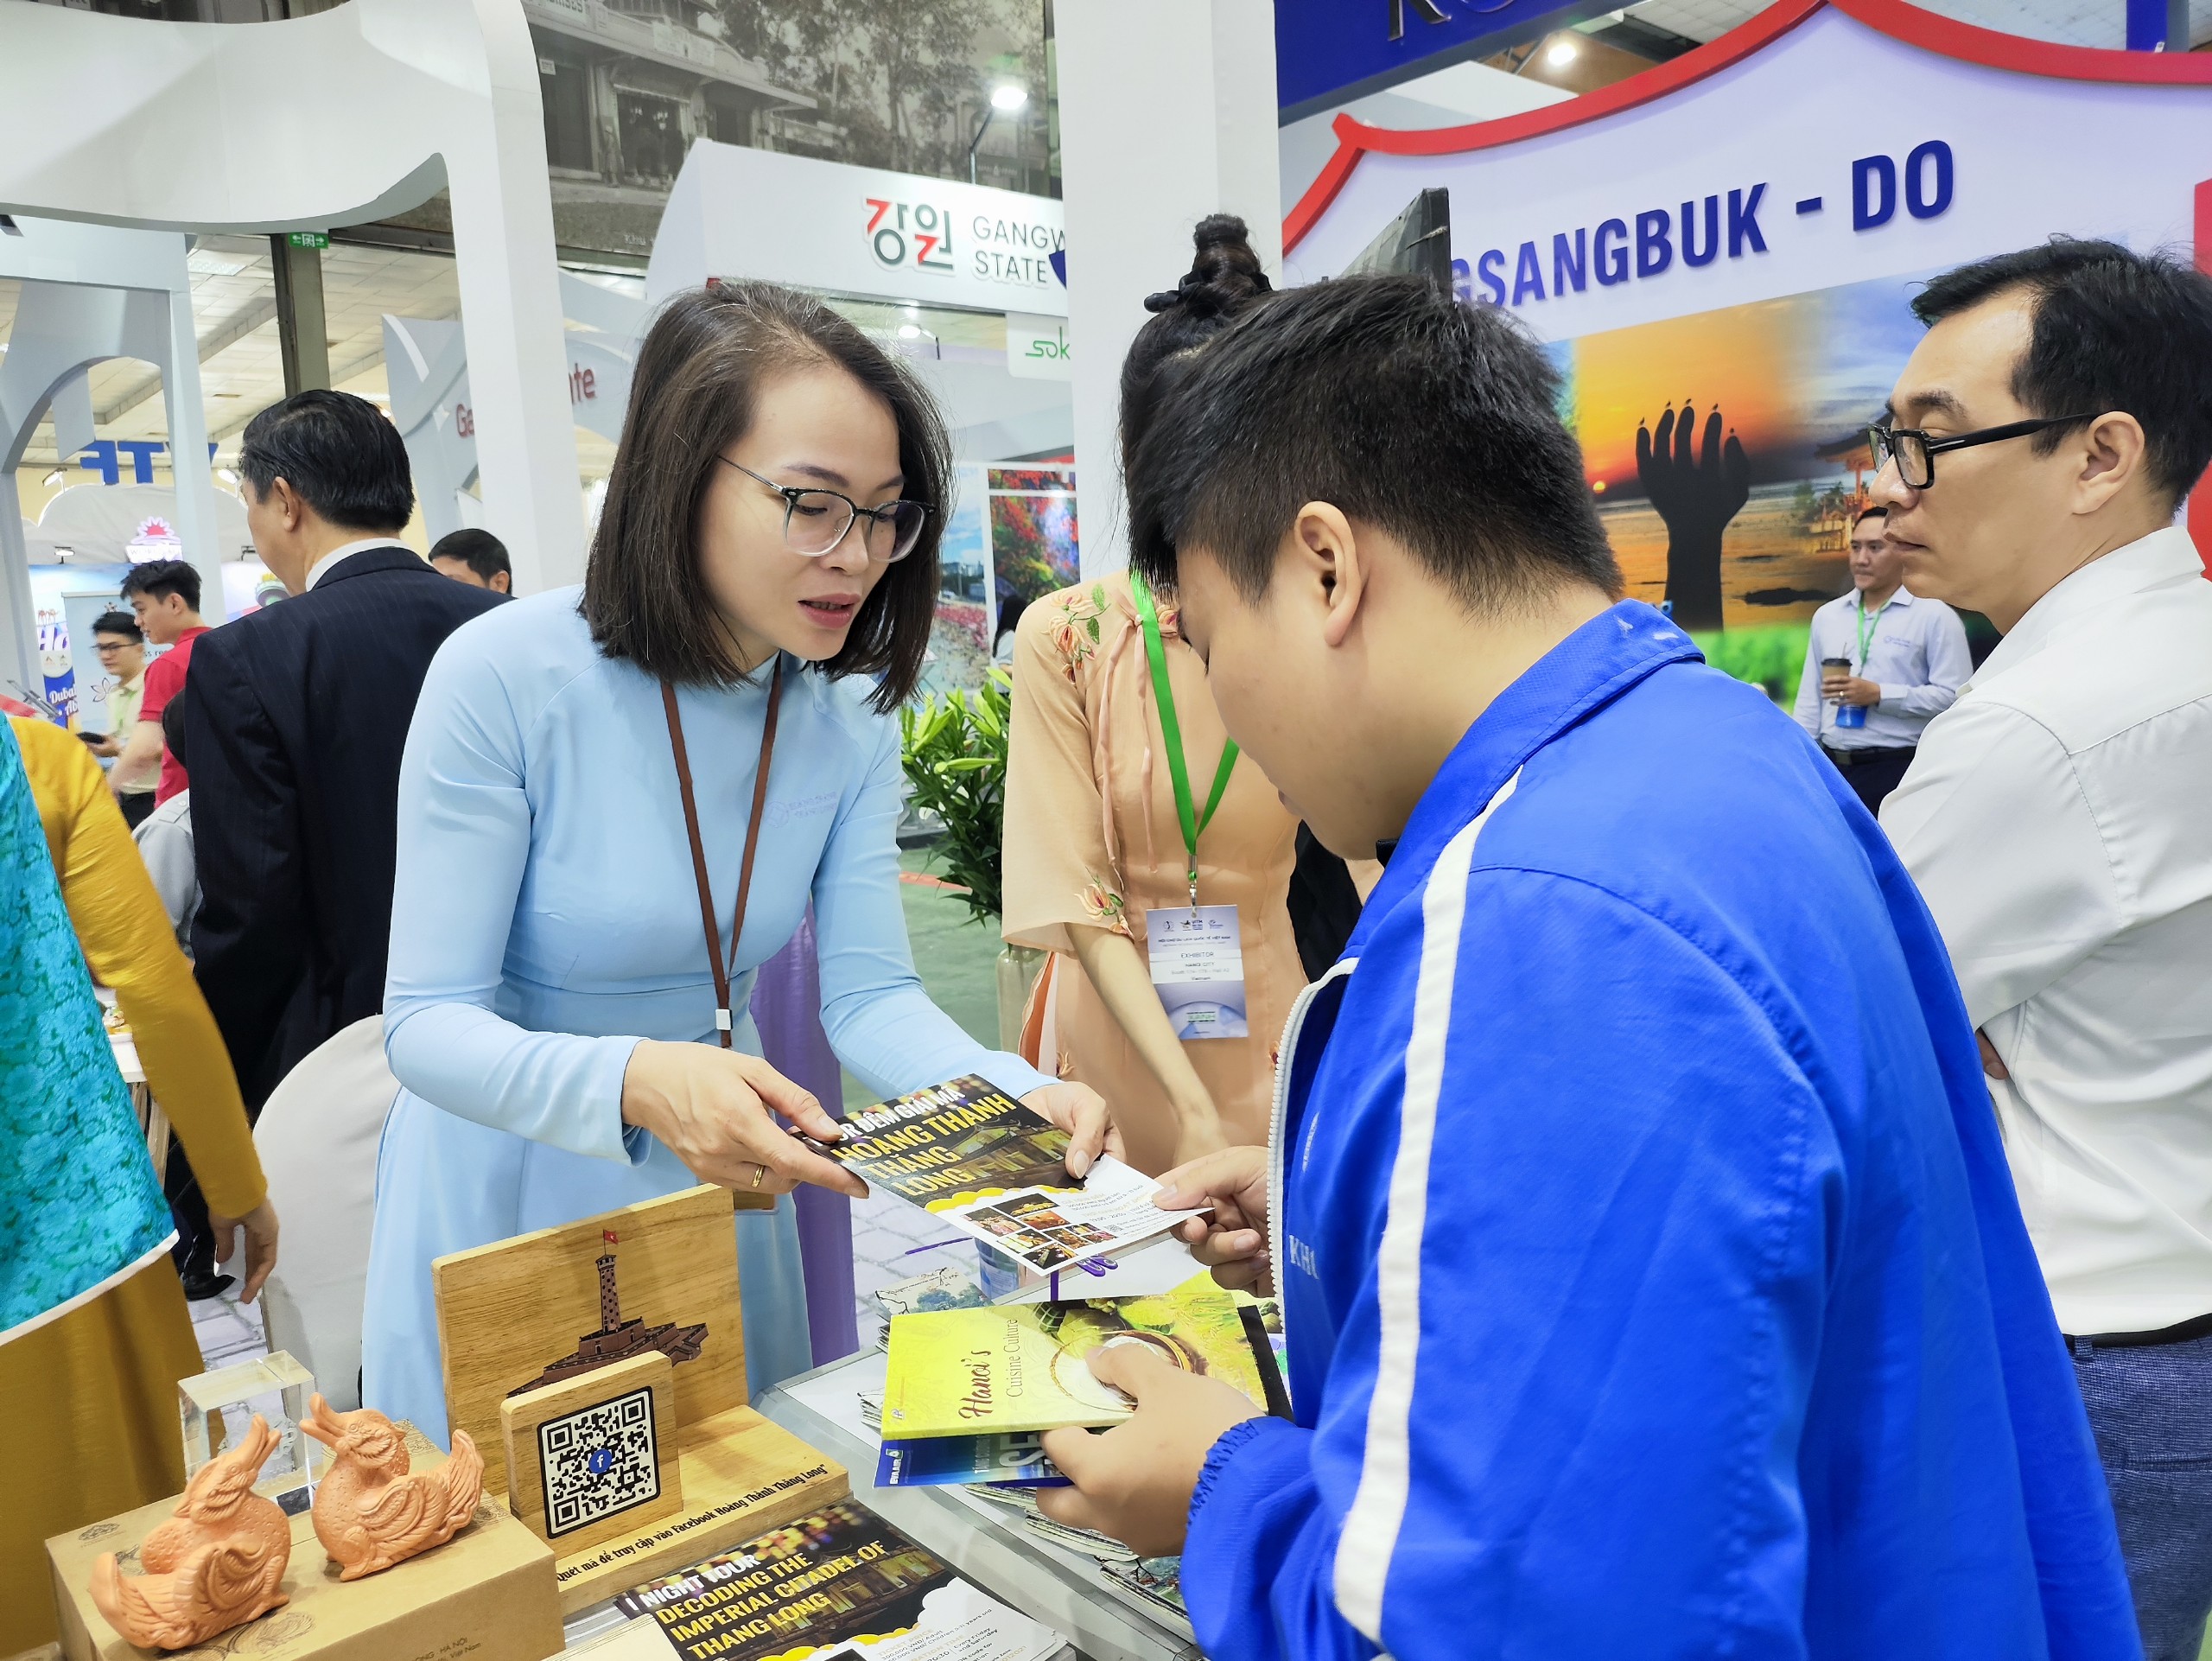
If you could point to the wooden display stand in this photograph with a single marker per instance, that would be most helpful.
(657, 1279)
(487, 1593)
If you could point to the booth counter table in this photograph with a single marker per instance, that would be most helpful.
(1064, 1589)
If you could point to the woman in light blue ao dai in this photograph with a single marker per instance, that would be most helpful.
(769, 541)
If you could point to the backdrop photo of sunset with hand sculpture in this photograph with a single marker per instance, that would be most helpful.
(1725, 454)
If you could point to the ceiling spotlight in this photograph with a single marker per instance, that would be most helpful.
(1010, 98)
(54, 477)
(908, 332)
(63, 553)
(227, 477)
(1562, 53)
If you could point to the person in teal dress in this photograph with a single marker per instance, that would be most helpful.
(79, 1205)
(94, 1333)
(768, 548)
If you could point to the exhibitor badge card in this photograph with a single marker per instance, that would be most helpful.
(1198, 968)
(972, 1155)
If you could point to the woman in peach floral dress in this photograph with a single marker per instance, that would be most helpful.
(1094, 835)
(1094, 846)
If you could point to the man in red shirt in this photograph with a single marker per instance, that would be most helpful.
(164, 595)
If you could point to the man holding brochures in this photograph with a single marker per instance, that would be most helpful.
(1652, 1280)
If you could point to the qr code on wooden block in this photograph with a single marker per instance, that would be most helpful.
(599, 1461)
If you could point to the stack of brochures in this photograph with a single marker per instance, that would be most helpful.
(941, 1288)
(968, 1393)
(983, 1164)
(836, 1585)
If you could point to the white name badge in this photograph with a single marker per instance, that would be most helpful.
(1198, 968)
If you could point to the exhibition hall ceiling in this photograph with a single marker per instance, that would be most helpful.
(241, 368)
(234, 312)
(235, 298)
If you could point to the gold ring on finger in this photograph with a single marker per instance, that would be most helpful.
(760, 1174)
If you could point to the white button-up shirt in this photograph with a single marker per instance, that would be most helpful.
(320, 569)
(2058, 820)
(1915, 653)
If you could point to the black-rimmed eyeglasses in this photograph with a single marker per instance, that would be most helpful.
(816, 521)
(1915, 452)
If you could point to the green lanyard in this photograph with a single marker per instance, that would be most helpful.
(1193, 822)
(1866, 629)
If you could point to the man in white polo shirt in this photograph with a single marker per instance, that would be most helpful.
(1880, 664)
(2058, 820)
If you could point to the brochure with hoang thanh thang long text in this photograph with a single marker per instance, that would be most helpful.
(971, 1155)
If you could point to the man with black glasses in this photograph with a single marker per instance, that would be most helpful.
(2057, 820)
(121, 647)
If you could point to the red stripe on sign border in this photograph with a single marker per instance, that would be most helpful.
(1895, 18)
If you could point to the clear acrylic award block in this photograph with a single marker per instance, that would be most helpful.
(275, 1386)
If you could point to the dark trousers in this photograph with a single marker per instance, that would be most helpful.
(137, 805)
(194, 1251)
(2151, 1409)
(1871, 774)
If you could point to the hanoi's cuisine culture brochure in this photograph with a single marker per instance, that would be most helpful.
(971, 1155)
(841, 1585)
(1024, 1366)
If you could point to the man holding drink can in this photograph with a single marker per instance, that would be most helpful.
(1881, 662)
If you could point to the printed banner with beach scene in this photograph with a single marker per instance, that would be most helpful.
(1728, 452)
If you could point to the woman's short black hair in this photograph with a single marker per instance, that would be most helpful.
(2114, 330)
(699, 376)
(1435, 420)
(341, 456)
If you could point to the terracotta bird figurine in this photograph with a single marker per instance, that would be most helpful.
(214, 1565)
(369, 1512)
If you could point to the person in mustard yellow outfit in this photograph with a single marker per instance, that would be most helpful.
(94, 1329)
(1107, 780)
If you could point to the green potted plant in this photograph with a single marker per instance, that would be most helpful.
(954, 747)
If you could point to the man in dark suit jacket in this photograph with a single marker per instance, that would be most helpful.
(297, 717)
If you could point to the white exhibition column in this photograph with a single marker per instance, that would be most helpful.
(189, 462)
(1168, 114)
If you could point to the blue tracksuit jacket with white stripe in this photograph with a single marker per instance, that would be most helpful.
(1652, 1281)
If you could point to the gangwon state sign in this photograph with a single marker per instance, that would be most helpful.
(741, 212)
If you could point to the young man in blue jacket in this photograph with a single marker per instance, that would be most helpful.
(1651, 1274)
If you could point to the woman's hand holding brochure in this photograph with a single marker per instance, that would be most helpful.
(1082, 1112)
